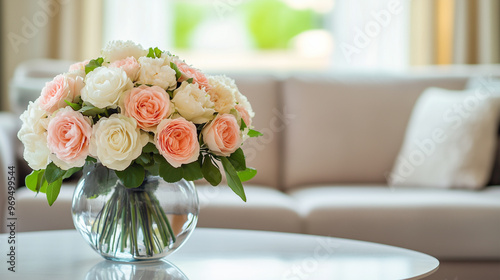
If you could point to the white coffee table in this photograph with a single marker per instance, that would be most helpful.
(219, 254)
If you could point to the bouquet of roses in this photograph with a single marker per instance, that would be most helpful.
(133, 113)
(137, 111)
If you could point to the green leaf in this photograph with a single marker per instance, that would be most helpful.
(53, 173)
(233, 180)
(53, 190)
(34, 180)
(154, 53)
(153, 169)
(237, 159)
(190, 80)
(178, 72)
(132, 176)
(167, 171)
(151, 53)
(90, 159)
(247, 174)
(99, 178)
(150, 148)
(89, 110)
(254, 133)
(93, 64)
(74, 106)
(192, 171)
(143, 159)
(70, 172)
(158, 52)
(170, 93)
(243, 125)
(210, 171)
(43, 187)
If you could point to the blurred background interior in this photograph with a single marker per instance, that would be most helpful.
(367, 113)
(261, 35)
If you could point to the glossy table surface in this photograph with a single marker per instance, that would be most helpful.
(217, 254)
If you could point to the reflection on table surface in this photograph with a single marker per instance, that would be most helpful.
(135, 271)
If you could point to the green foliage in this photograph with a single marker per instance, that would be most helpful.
(53, 190)
(243, 125)
(53, 173)
(247, 174)
(49, 180)
(150, 148)
(190, 80)
(75, 106)
(178, 72)
(35, 180)
(254, 133)
(132, 176)
(154, 53)
(192, 171)
(93, 64)
(92, 111)
(237, 159)
(101, 179)
(272, 23)
(167, 171)
(210, 171)
(233, 180)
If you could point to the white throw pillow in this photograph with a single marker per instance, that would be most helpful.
(450, 140)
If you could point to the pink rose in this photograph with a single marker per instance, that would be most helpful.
(129, 65)
(222, 135)
(147, 105)
(177, 141)
(55, 92)
(244, 115)
(68, 138)
(189, 72)
(78, 66)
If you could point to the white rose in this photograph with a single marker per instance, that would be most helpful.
(104, 86)
(117, 50)
(193, 103)
(116, 141)
(222, 93)
(76, 81)
(33, 135)
(157, 72)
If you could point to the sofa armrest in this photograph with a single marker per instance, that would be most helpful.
(9, 124)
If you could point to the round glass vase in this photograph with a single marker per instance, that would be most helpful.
(140, 224)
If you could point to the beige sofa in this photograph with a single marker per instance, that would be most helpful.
(329, 142)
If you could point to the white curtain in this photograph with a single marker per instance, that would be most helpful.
(147, 22)
(370, 34)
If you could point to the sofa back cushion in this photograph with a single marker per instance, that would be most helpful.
(348, 129)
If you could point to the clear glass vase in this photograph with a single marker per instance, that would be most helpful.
(144, 223)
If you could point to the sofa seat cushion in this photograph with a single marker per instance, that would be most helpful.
(448, 224)
(265, 209)
(34, 213)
